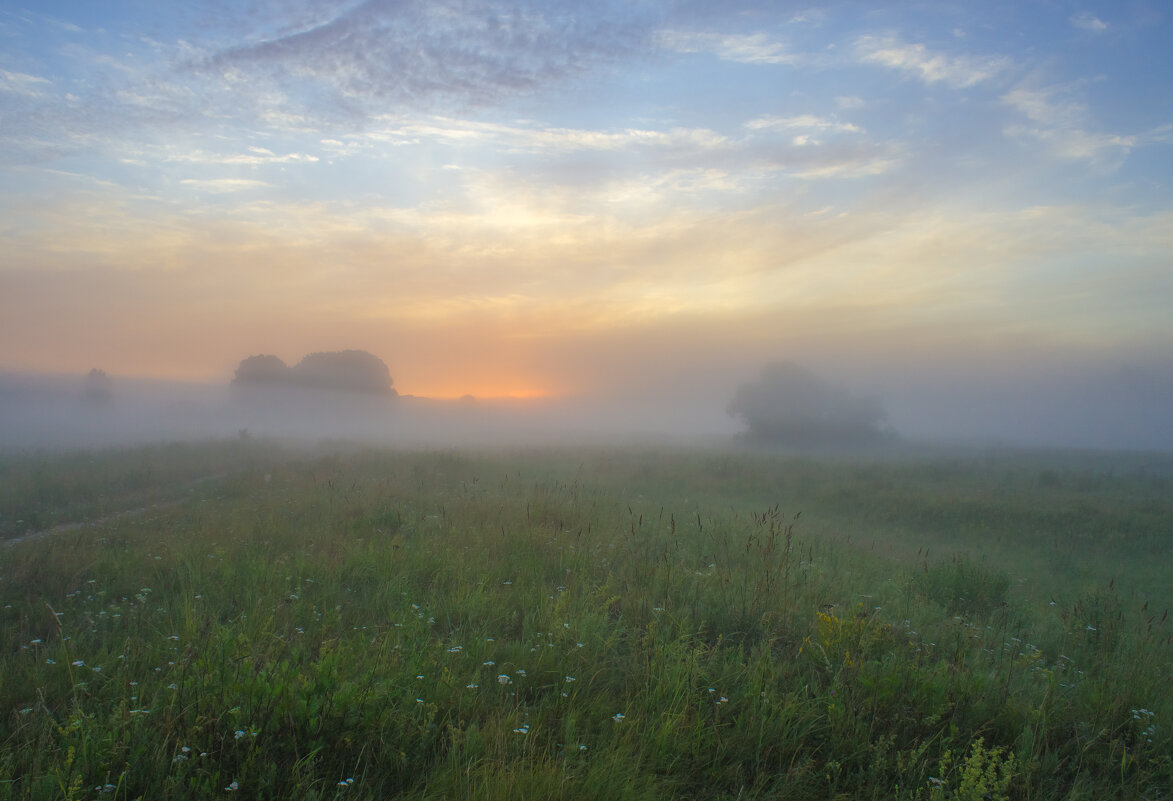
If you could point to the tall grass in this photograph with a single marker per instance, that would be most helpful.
(42, 490)
(584, 625)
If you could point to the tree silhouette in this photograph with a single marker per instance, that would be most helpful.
(262, 369)
(97, 387)
(346, 371)
(790, 405)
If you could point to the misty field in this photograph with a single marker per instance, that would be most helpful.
(251, 619)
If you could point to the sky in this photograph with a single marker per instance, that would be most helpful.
(565, 198)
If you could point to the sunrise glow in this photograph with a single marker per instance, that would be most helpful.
(566, 198)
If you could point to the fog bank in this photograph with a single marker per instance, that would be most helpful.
(1114, 408)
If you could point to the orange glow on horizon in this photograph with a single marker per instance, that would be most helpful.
(480, 393)
(436, 391)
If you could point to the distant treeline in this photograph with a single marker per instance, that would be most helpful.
(346, 371)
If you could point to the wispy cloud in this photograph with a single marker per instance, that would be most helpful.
(336, 147)
(412, 130)
(804, 145)
(224, 185)
(21, 83)
(308, 67)
(465, 53)
(63, 25)
(1063, 124)
(753, 48)
(254, 156)
(95, 103)
(803, 129)
(860, 166)
(932, 67)
(1087, 21)
(802, 122)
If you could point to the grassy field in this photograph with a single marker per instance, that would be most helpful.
(614, 624)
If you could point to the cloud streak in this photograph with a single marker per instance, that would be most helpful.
(806, 146)
(460, 53)
(1087, 21)
(20, 83)
(931, 67)
(750, 48)
(414, 130)
(222, 185)
(1061, 123)
(255, 156)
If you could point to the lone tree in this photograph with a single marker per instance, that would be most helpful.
(96, 387)
(790, 405)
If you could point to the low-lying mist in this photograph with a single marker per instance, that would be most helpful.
(50, 412)
(1126, 409)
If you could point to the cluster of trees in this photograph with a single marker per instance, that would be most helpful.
(787, 405)
(347, 371)
(790, 405)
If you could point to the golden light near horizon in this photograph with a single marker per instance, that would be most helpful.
(489, 392)
(669, 193)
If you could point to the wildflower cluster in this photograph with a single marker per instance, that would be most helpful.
(1144, 717)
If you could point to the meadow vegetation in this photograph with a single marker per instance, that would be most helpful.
(615, 624)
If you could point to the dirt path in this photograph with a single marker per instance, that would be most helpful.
(189, 489)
